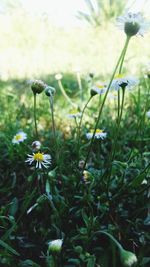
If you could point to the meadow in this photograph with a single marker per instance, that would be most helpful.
(74, 142)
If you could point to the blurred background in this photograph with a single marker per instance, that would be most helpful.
(45, 37)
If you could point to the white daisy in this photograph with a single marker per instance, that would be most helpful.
(42, 160)
(19, 137)
(123, 82)
(36, 145)
(148, 114)
(99, 134)
(98, 89)
(58, 76)
(55, 245)
(133, 24)
(74, 115)
(127, 258)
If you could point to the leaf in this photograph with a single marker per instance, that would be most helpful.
(9, 248)
(91, 262)
(13, 207)
(28, 263)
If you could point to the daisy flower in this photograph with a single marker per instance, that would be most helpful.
(58, 76)
(41, 159)
(127, 258)
(148, 114)
(98, 89)
(99, 134)
(19, 137)
(55, 245)
(133, 24)
(74, 115)
(123, 82)
(37, 86)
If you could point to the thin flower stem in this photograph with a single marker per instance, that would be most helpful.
(80, 122)
(105, 96)
(80, 86)
(65, 95)
(52, 113)
(118, 128)
(111, 238)
(35, 122)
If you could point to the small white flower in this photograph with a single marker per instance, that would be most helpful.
(42, 160)
(19, 137)
(58, 76)
(55, 245)
(127, 258)
(74, 115)
(148, 114)
(133, 24)
(99, 134)
(123, 82)
(36, 145)
(98, 89)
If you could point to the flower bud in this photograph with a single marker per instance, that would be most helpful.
(127, 258)
(37, 86)
(50, 91)
(36, 145)
(55, 246)
(131, 28)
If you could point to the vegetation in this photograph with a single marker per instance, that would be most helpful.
(75, 165)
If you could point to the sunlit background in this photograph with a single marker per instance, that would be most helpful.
(46, 37)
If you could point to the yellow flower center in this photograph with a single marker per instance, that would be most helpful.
(100, 86)
(97, 131)
(38, 156)
(119, 76)
(18, 137)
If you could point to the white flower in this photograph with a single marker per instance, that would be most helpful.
(127, 258)
(58, 76)
(19, 137)
(74, 115)
(148, 114)
(123, 82)
(99, 134)
(98, 89)
(42, 160)
(55, 245)
(133, 24)
(36, 145)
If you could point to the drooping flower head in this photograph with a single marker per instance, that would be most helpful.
(55, 246)
(50, 91)
(99, 134)
(123, 82)
(98, 89)
(127, 258)
(41, 160)
(19, 137)
(36, 145)
(133, 24)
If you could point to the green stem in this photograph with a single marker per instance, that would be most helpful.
(105, 96)
(80, 123)
(53, 120)
(65, 95)
(35, 122)
(80, 86)
(111, 238)
(118, 128)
